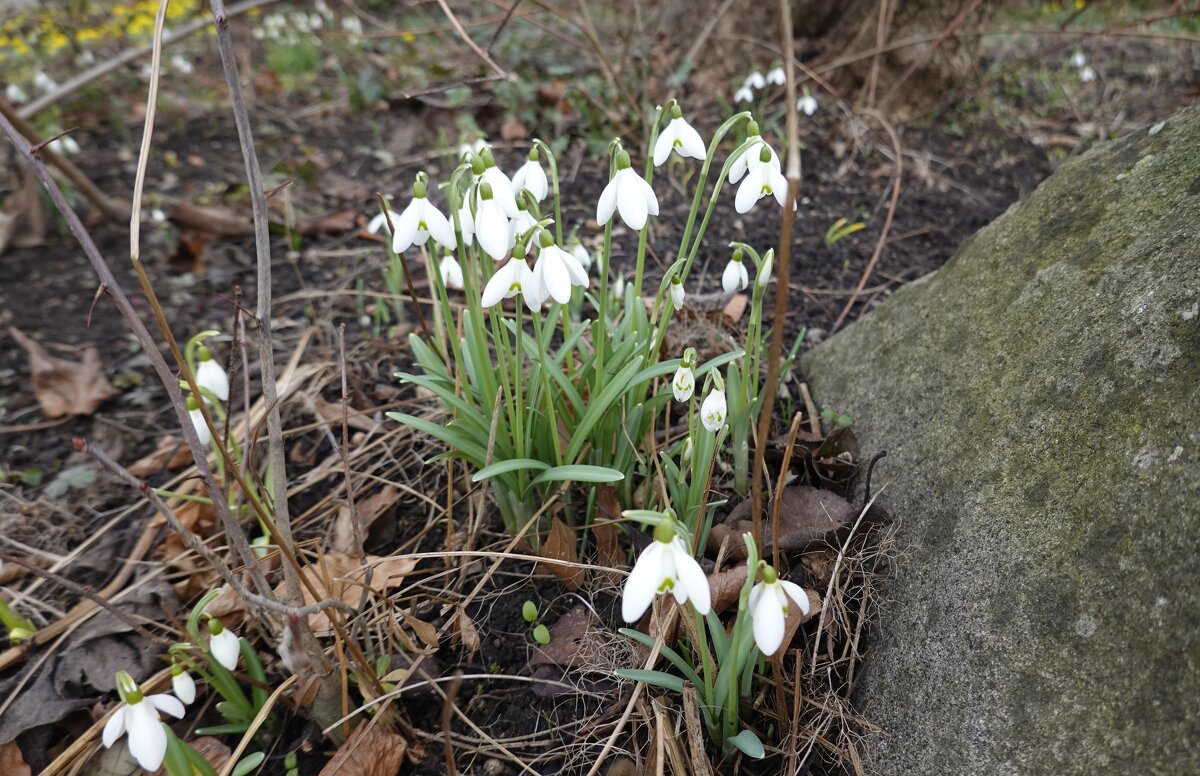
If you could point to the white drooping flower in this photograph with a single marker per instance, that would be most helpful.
(15, 94)
(735, 277)
(755, 80)
(223, 644)
(523, 224)
(744, 94)
(513, 277)
(473, 147)
(492, 230)
(677, 293)
(197, 418)
(777, 76)
(503, 190)
(1078, 60)
(1087, 74)
(628, 194)
(466, 223)
(44, 83)
(712, 411)
(752, 157)
(420, 220)
(377, 223)
(768, 604)
(182, 684)
(451, 272)
(211, 376)
(761, 179)
(680, 137)
(532, 178)
(137, 718)
(582, 256)
(807, 104)
(683, 384)
(182, 64)
(64, 145)
(554, 272)
(665, 566)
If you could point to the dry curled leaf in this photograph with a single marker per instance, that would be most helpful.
(65, 387)
(369, 510)
(371, 750)
(560, 545)
(808, 518)
(466, 632)
(12, 762)
(346, 576)
(170, 454)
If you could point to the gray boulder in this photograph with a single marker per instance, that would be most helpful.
(1039, 398)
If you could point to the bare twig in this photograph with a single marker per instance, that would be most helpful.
(503, 23)
(356, 527)
(483, 55)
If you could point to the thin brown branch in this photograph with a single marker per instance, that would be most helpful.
(485, 57)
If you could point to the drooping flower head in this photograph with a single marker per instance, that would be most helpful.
(666, 566)
(735, 277)
(714, 408)
(683, 385)
(807, 103)
(137, 717)
(678, 136)
(182, 684)
(210, 375)
(223, 643)
(420, 220)
(776, 76)
(451, 272)
(628, 194)
(513, 278)
(554, 272)
(197, 418)
(492, 231)
(531, 177)
(502, 188)
(761, 179)
(581, 255)
(751, 156)
(677, 293)
(768, 604)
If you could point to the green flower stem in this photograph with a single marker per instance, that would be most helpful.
(548, 389)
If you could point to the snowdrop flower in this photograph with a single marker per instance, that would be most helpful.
(712, 411)
(352, 25)
(502, 187)
(666, 566)
(182, 65)
(677, 293)
(752, 156)
(680, 137)
(138, 717)
(491, 225)
(378, 222)
(64, 145)
(761, 179)
(554, 272)
(581, 255)
(1078, 60)
(683, 385)
(451, 271)
(532, 177)
(744, 94)
(182, 684)
(755, 80)
(764, 272)
(210, 376)
(197, 418)
(43, 82)
(777, 76)
(807, 104)
(466, 223)
(1087, 74)
(768, 609)
(14, 93)
(513, 277)
(223, 644)
(420, 220)
(523, 224)
(629, 194)
(472, 148)
(735, 277)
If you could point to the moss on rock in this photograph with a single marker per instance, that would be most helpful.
(1039, 397)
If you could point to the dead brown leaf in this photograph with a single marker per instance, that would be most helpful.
(211, 219)
(609, 552)
(735, 308)
(346, 575)
(808, 517)
(22, 219)
(12, 762)
(339, 222)
(560, 545)
(371, 750)
(725, 587)
(369, 510)
(566, 637)
(512, 129)
(331, 412)
(171, 454)
(65, 387)
(466, 632)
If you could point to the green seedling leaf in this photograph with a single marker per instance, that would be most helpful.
(541, 634)
(529, 611)
(249, 763)
(748, 743)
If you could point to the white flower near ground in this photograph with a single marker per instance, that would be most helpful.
(665, 566)
(418, 222)
(502, 189)
(15, 94)
(64, 145)
(554, 272)
(44, 83)
(492, 231)
(735, 277)
(628, 194)
(532, 177)
(352, 25)
(768, 604)
(182, 65)
(761, 179)
(807, 104)
(751, 158)
(755, 80)
(513, 277)
(713, 410)
(377, 223)
(1087, 74)
(744, 94)
(197, 418)
(582, 256)
(451, 272)
(777, 76)
(211, 376)
(466, 223)
(680, 137)
(224, 645)
(677, 293)
(1078, 60)
(137, 719)
(183, 685)
(683, 384)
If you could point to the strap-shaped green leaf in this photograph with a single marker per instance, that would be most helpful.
(579, 472)
(615, 387)
(511, 465)
(656, 678)
(671, 655)
(748, 743)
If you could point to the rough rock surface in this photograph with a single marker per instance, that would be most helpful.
(1039, 397)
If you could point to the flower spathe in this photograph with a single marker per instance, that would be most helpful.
(419, 221)
(735, 277)
(211, 377)
(768, 604)
(137, 718)
(513, 277)
(713, 410)
(680, 137)
(666, 566)
(628, 194)
(451, 272)
(223, 644)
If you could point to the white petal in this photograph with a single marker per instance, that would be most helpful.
(532, 177)
(750, 189)
(184, 687)
(502, 190)
(210, 375)
(691, 577)
(440, 228)
(777, 76)
(498, 286)
(755, 594)
(642, 584)
(451, 271)
(778, 185)
(582, 255)
(712, 411)
(466, 223)
(608, 201)
(115, 727)
(678, 295)
(683, 384)
(407, 227)
(768, 621)
(756, 80)
(557, 280)
(743, 95)
(200, 426)
(631, 202)
(737, 168)
(666, 140)
(648, 193)
(376, 223)
(574, 268)
(224, 647)
(797, 594)
(743, 275)
(169, 704)
(690, 141)
(147, 738)
(729, 278)
(491, 230)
